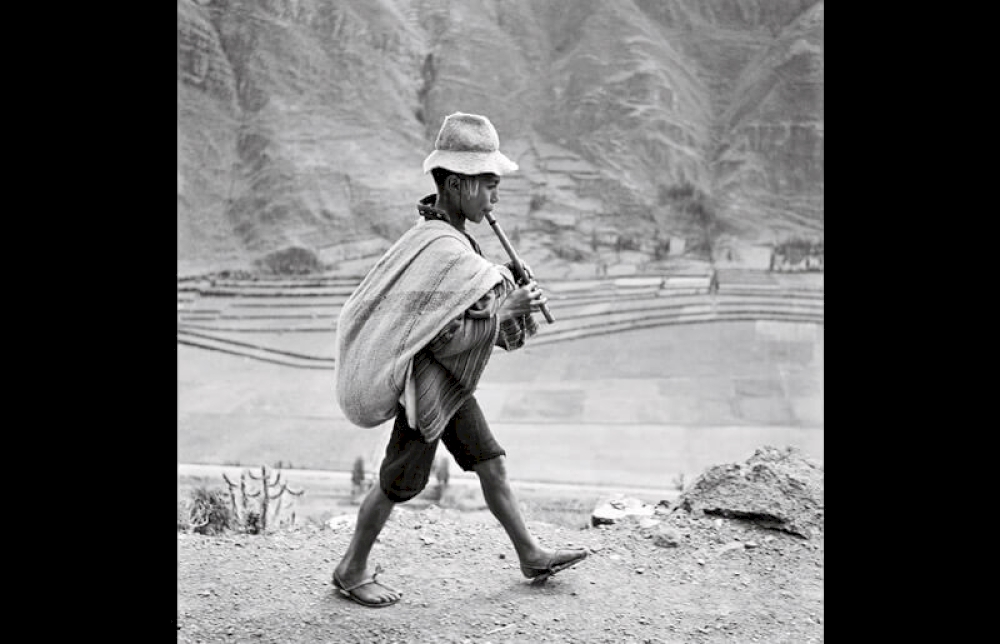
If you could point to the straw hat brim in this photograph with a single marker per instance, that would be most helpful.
(470, 163)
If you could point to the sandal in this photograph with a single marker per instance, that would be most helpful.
(541, 573)
(348, 591)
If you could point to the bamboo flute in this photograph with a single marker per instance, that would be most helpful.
(519, 273)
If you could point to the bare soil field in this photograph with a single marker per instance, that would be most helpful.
(634, 409)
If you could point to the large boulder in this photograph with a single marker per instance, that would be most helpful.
(776, 488)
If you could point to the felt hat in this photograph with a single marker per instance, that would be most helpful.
(468, 144)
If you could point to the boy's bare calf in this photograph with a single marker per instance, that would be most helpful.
(535, 560)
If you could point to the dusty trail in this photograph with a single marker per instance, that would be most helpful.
(725, 582)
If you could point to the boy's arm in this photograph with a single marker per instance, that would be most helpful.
(514, 331)
(471, 328)
(478, 322)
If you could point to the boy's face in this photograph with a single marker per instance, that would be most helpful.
(476, 203)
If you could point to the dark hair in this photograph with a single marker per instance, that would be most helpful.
(440, 174)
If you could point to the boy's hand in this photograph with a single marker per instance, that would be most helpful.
(527, 270)
(522, 301)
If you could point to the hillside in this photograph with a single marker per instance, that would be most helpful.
(303, 123)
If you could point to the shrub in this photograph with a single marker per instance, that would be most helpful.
(441, 471)
(358, 472)
(209, 511)
(291, 261)
(254, 517)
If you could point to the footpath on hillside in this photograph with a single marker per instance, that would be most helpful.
(738, 556)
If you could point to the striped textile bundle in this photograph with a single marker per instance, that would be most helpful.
(430, 276)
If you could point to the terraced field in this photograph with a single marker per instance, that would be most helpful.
(640, 379)
(276, 320)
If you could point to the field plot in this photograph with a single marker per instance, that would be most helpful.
(635, 384)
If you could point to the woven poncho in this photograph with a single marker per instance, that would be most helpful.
(430, 276)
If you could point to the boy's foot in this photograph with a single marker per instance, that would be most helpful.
(365, 590)
(552, 562)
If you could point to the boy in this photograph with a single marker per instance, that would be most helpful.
(413, 340)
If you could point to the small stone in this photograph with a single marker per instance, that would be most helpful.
(639, 571)
(729, 547)
(666, 537)
(718, 523)
(701, 562)
(751, 544)
(503, 556)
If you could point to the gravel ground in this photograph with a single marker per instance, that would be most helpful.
(726, 580)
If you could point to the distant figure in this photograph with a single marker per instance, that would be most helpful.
(713, 282)
(419, 354)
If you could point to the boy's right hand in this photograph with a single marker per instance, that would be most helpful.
(522, 301)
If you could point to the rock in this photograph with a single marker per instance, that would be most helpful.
(613, 510)
(645, 524)
(666, 537)
(341, 521)
(729, 547)
(776, 489)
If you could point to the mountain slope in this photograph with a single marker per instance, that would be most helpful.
(303, 123)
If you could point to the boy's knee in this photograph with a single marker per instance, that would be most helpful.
(400, 495)
(401, 489)
(493, 470)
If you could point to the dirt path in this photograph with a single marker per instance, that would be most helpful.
(726, 581)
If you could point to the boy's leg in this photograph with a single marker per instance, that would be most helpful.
(353, 567)
(504, 506)
(404, 474)
(470, 441)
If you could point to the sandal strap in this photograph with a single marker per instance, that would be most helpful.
(552, 561)
(369, 580)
